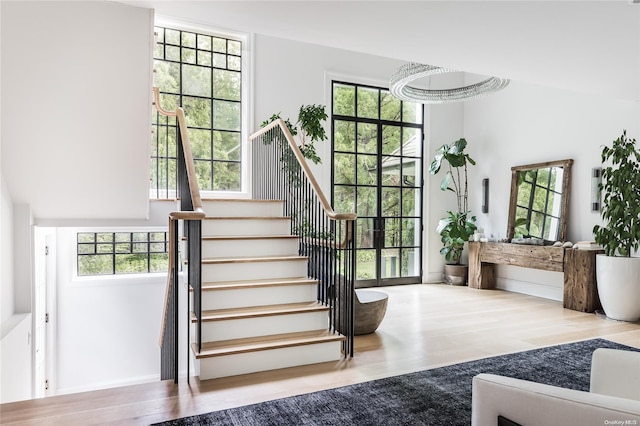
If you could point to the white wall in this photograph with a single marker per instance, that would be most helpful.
(76, 90)
(525, 124)
(107, 327)
(15, 359)
(6, 254)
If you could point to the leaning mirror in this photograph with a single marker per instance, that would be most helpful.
(538, 206)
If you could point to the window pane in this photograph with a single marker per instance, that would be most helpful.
(409, 235)
(227, 145)
(365, 264)
(367, 171)
(235, 47)
(367, 138)
(364, 232)
(391, 140)
(366, 202)
(410, 262)
(204, 42)
(189, 56)
(123, 248)
(204, 172)
(197, 80)
(391, 232)
(86, 248)
(200, 143)
(344, 136)
(344, 199)
(344, 168)
(367, 102)
(226, 176)
(95, 265)
(197, 112)
(390, 265)
(389, 107)
(89, 237)
(226, 115)
(131, 263)
(410, 202)
(390, 202)
(219, 45)
(226, 85)
(344, 100)
(188, 39)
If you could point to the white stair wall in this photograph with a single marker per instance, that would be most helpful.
(252, 362)
(261, 294)
(226, 269)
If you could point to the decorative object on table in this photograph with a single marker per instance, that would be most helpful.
(458, 226)
(617, 271)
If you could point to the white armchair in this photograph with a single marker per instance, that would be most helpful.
(614, 397)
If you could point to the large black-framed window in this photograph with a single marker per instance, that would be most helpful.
(377, 143)
(116, 253)
(203, 74)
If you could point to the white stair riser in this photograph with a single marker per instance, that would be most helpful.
(257, 247)
(258, 296)
(253, 270)
(226, 227)
(242, 208)
(251, 362)
(264, 326)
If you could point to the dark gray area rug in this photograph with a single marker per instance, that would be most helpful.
(440, 396)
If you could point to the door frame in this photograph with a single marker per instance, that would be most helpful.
(379, 235)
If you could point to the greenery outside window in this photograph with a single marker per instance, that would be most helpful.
(117, 253)
(203, 73)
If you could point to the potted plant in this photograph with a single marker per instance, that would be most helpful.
(617, 272)
(310, 123)
(458, 226)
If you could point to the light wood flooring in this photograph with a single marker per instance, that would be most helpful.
(426, 326)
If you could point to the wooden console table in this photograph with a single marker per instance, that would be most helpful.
(579, 268)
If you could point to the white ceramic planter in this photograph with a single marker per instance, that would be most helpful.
(619, 286)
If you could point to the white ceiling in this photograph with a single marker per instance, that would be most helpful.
(586, 46)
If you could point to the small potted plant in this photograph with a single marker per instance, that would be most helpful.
(617, 271)
(458, 226)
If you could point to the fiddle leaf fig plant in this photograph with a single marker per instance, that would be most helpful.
(458, 226)
(310, 126)
(621, 198)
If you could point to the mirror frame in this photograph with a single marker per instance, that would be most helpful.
(566, 194)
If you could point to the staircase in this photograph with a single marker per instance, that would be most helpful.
(253, 306)
(260, 311)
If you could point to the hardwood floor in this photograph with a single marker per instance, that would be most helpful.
(426, 326)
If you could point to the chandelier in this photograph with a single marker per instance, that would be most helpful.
(399, 86)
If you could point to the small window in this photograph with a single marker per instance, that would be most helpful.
(116, 253)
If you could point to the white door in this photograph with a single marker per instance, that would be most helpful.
(43, 275)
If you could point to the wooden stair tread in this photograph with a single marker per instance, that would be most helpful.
(260, 311)
(247, 259)
(247, 218)
(275, 282)
(244, 200)
(250, 237)
(261, 343)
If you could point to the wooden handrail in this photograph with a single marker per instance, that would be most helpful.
(194, 188)
(326, 206)
(196, 200)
